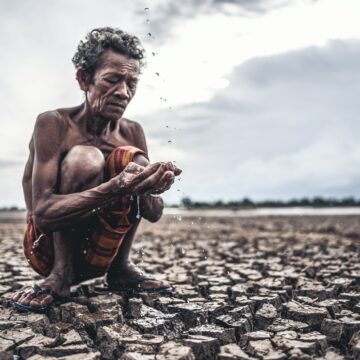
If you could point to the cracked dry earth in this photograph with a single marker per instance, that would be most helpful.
(245, 288)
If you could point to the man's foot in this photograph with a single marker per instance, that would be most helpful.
(38, 298)
(130, 278)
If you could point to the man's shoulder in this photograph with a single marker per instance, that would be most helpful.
(131, 129)
(134, 132)
(130, 125)
(50, 118)
(51, 125)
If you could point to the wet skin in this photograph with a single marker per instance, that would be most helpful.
(63, 179)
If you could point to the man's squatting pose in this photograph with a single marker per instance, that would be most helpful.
(88, 176)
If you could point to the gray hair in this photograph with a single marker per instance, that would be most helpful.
(89, 51)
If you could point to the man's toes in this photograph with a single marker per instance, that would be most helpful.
(27, 298)
(19, 294)
(41, 300)
(155, 284)
(22, 296)
(16, 296)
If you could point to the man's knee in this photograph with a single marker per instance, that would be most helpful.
(81, 165)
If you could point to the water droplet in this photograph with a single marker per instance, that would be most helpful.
(179, 218)
(149, 34)
(154, 53)
(167, 126)
(157, 74)
(84, 252)
(147, 9)
(28, 260)
(31, 253)
(147, 21)
(169, 141)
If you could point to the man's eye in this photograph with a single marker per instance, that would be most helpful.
(111, 81)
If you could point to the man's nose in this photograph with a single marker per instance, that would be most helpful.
(122, 90)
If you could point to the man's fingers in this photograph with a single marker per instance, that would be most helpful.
(166, 181)
(150, 181)
(146, 172)
(177, 171)
(171, 166)
(134, 168)
(163, 185)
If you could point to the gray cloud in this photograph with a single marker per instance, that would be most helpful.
(287, 125)
(9, 163)
(164, 14)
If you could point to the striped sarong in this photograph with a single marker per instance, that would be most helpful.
(101, 234)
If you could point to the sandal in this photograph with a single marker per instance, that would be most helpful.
(39, 291)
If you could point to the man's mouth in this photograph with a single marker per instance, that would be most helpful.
(118, 105)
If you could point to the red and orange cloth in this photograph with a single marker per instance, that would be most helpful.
(107, 231)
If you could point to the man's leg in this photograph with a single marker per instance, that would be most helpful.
(81, 169)
(122, 270)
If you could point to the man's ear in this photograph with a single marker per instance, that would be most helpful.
(80, 77)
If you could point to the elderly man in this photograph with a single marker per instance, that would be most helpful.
(88, 180)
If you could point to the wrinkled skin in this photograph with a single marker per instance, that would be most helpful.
(64, 181)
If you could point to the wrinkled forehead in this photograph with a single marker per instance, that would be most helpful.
(116, 62)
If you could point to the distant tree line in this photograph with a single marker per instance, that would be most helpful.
(11, 208)
(247, 203)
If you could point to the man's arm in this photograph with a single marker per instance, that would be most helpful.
(53, 211)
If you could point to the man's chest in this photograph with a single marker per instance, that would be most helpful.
(106, 143)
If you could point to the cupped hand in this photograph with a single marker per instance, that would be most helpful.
(152, 179)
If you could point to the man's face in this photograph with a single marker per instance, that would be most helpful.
(113, 86)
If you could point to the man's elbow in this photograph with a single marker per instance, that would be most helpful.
(41, 221)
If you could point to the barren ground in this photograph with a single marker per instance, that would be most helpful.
(245, 288)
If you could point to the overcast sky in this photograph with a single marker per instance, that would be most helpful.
(255, 98)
